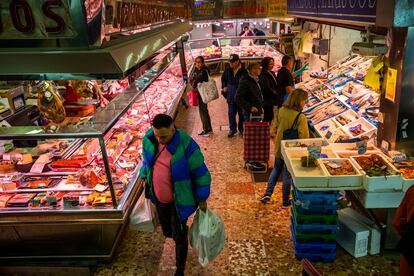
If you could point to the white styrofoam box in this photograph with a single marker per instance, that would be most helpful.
(390, 199)
(302, 143)
(328, 125)
(380, 183)
(352, 236)
(350, 153)
(307, 177)
(348, 114)
(374, 242)
(337, 181)
(367, 127)
(299, 152)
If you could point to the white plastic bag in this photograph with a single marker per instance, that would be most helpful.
(208, 90)
(207, 236)
(144, 215)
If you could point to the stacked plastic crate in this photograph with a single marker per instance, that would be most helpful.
(313, 225)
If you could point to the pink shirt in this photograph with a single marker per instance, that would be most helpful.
(161, 177)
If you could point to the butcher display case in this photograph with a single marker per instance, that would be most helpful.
(216, 51)
(69, 195)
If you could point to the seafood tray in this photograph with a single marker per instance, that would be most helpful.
(407, 172)
(350, 153)
(370, 166)
(337, 135)
(360, 127)
(342, 173)
(302, 143)
(312, 84)
(325, 110)
(364, 100)
(324, 93)
(325, 126)
(312, 177)
(311, 101)
(297, 153)
(338, 81)
(347, 117)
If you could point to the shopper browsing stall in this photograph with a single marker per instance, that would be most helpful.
(290, 117)
(249, 95)
(268, 84)
(258, 32)
(176, 180)
(201, 74)
(230, 82)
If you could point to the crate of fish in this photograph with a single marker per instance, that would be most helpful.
(307, 208)
(314, 218)
(320, 197)
(313, 247)
(312, 237)
(313, 228)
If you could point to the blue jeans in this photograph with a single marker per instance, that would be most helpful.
(274, 175)
(234, 110)
(278, 168)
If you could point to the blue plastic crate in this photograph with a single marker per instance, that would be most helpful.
(313, 247)
(313, 227)
(326, 197)
(316, 257)
(306, 207)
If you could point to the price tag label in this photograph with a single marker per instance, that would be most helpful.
(328, 135)
(362, 146)
(315, 151)
(100, 188)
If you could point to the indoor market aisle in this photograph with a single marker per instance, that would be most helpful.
(258, 235)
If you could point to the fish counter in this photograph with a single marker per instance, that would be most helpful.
(342, 107)
(379, 180)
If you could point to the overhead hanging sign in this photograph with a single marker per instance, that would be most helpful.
(207, 9)
(350, 10)
(35, 19)
(276, 8)
(245, 8)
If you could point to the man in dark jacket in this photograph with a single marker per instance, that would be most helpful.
(249, 95)
(229, 83)
(258, 32)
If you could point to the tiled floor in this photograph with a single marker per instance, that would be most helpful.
(258, 236)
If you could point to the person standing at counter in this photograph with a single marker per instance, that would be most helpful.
(258, 32)
(268, 84)
(176, 180)
(404, 224)
(285, 77)
(290, 117)
(200, 75)
(246, 32)
(249, 95)
(229, 84)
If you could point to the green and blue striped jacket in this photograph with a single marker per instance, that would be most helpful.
(190, 175)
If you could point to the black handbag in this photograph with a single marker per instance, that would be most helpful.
(406, 244)
(292, 133)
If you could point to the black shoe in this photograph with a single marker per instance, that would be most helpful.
(205, 133)
(231, 134)
(286, 205)
(265, 199)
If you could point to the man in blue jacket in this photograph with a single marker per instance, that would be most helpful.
(230, 83)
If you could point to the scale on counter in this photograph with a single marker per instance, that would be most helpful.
(14, 97)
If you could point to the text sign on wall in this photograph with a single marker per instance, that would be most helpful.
(353, 10)
(207, 9)
(276, 8)
(245, 8)
(35, 19)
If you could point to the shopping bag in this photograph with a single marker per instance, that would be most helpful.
(144, 215)
(208, 90)
(207, 236)
(192, 98)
